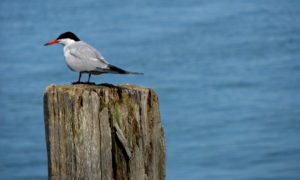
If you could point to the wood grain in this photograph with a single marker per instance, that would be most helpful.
(103, 132)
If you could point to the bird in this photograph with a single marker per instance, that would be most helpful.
(84, 58)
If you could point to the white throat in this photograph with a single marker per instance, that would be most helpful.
(66, 41)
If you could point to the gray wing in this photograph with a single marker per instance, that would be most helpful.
(86, 57)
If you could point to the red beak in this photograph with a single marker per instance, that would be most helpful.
(51, 42)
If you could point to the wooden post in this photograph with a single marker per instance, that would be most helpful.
(103, 132)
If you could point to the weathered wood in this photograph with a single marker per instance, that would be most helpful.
(103, 132)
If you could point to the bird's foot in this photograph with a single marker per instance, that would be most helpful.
(91, 83)
(77, 82)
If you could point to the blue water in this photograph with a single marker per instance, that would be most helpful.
(227, 74)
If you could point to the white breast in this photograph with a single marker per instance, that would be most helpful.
(70, 61)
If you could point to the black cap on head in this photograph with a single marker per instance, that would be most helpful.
(69, 35)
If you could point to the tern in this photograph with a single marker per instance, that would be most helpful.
(83, 58)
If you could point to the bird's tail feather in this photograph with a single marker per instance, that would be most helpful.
(115, 69)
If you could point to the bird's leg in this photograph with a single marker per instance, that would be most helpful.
(78, 82)
(79, 77)
(89, 78)
(88, 82)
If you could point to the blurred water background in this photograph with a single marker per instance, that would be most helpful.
(227, 74)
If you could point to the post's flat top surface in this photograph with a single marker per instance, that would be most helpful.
(99, 86)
